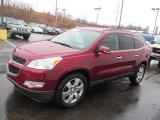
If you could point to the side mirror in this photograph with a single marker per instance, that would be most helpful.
(3, 25)
(104, 49)
(8, 27)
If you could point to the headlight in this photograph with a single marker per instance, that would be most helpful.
(46, 64)
(13, 28)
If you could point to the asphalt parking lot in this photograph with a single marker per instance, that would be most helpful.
(115, 100)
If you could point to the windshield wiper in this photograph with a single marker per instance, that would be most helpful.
(63, 44)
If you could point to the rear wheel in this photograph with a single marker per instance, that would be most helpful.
(56, 33)
(158, 63)
(149, 61)
(138, 76)
(71, 90)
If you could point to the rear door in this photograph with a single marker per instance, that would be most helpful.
(142, 50)
(128, 53)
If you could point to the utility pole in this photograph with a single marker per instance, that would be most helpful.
(97, 9)
(157, 10)
(121, 14)
(2, 17)
(117, 16)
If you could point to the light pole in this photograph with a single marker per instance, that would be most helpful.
(121, 13)
(156, 10)
(2, 11)
(64, 11)
(117, 16)
(97, 9)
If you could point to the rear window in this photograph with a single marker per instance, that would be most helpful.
(139, 42)
(126, 42)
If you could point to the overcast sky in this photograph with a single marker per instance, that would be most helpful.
(136, 12)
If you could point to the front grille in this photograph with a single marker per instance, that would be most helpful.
(22, 29)
(18, 59)
(156, 50)
(13, 69)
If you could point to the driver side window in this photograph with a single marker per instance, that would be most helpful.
(111, 41)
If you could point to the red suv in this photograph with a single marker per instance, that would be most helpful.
(66, 66)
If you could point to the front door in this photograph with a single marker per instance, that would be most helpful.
(108, 65)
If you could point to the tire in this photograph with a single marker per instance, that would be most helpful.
(10, 35)
(138, 76)
(71, 90)
(158, 63)
(26, 37)
(149, 61)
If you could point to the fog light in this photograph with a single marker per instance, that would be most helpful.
(31, 84)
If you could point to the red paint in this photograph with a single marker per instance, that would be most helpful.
(97, 66)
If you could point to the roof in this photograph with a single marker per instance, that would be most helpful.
(97, 29)
(107, 30)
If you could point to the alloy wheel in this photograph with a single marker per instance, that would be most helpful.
(73, 91)
(140, 74)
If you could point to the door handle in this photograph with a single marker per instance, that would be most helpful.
(119, 57)
(136, 55)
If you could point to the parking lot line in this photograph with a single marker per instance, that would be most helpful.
(10, 43)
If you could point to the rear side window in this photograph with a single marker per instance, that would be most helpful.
(111, 41)
(139, 42)
(126, 42)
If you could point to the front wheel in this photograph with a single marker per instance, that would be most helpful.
(26, 37)
(71, 90)
(138, 76)
(10, 35)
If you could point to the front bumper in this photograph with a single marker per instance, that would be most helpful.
(155, 56)
(21, 33)
(40, 96)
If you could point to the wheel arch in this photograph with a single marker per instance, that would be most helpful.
(144, 62)
(81, 71)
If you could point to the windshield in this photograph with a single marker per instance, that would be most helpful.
(22, 22)
(49, 28)
(57, 29)
(13, 21)
(34, 25)
(77, 38)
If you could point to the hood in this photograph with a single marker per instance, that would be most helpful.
(155, 45)
(44, 49)
(14, 25)
(18, 26)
